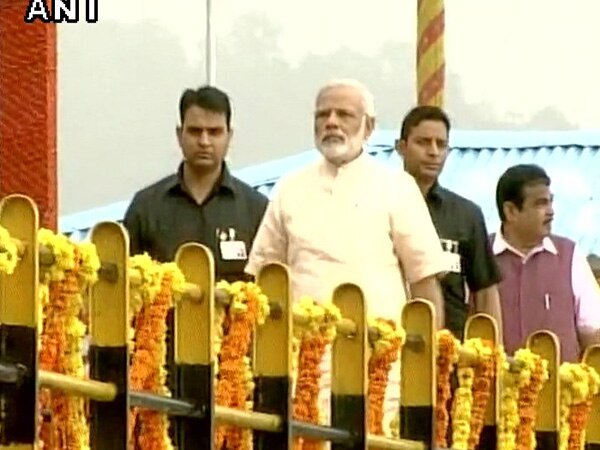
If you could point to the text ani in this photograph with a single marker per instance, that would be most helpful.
(61, 11)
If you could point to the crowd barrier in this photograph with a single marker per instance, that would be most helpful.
(195, 410)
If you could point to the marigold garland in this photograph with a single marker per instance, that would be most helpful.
(509, 405)
(52, 324)
(70, 411)
(519, 394)
(482, 386)
(89, 264)
(317, 331)
(461, 408)
(385, 352)
(62, 249)
(142, 338)
(578, 384)
(472, 396)
(220, 312)
(447, 357)
(73, 272)
(528, 397)
(150, 274)
(151, 345)
(9, 256)
(248, 308)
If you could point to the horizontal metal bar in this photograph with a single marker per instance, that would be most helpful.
(382, 442)
(320, 432)
(273, 423)
(95, 390)
(12, 373)
(168, 405)
(248, 419)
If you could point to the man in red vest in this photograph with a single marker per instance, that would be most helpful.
(547, 283)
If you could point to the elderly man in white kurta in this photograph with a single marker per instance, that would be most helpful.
(346, 218)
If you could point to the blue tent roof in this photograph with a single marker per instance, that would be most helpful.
(572, 159)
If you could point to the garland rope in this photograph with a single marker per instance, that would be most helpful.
(578, 384)
(447, 358)
(316, 333)
(519, 395)
(482, 386)
(161, 286)
(248, 308)
(62, 334)
(461, 408)
(528, 397)
(141, 297)
(472, 395)
(385, 352)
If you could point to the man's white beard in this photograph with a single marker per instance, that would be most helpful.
(338, 153)
(334, 152)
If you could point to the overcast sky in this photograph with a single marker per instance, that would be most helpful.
(516, 54)
(120, 79)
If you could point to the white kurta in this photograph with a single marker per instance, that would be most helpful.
(362, 223)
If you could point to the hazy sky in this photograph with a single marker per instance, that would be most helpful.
(517, 55)
(117, 101)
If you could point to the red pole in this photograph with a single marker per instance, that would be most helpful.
(28, 109)
(431, 64)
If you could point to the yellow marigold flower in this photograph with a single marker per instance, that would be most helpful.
(90, 262)
(178, 282)
(9, 256)
(63, 251)
(150, 280)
